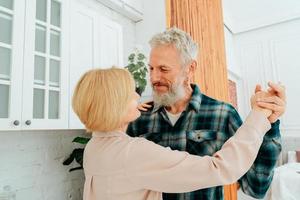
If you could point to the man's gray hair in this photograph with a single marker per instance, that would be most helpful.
(182, 41)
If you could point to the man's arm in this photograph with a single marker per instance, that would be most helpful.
(259, 177)
(257, 180)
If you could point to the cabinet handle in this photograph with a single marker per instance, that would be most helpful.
(28, 122)
(16, 122)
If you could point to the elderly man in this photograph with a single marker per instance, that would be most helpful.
(183, 118)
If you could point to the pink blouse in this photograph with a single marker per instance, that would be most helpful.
(119, 167)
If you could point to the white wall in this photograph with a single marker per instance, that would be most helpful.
(234, 70)
(246, 15)
(268, 53)
(272, 53)
(154, 21)
(31, 164)
(232, 66)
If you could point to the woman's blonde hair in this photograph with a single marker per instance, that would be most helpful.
(101, 97)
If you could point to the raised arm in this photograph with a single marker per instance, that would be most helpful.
(153, 167)
(257, 180)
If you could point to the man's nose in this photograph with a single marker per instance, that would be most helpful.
(155, 75)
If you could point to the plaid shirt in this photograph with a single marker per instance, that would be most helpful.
(201, 130)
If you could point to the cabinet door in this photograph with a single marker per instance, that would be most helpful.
(96, 42)
(83, 53)
(11, 54)
(45, 82)
(111, 43)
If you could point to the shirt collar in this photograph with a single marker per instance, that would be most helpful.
(196, 98)
(194, 103)
(109, 134)
(156, 107)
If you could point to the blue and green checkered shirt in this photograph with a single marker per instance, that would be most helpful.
(202, 129)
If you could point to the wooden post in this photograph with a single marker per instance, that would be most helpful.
(203, 20)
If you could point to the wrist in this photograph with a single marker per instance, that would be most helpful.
(266, 112)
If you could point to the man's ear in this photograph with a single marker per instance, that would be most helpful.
(192, 69)
(193, 66)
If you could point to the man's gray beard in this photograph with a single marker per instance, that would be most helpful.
(176, 93)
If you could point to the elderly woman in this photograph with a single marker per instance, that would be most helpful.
(117, 166)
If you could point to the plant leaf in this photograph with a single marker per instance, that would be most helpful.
(141, 56)
(77, 155)
(75, 168)
(141, 64)
(131, 57)
(81, 140)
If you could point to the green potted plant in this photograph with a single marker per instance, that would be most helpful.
(137, 67)
(77, 154)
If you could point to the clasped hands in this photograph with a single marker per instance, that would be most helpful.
(271, 102)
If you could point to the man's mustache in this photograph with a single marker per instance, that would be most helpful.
(159, 84)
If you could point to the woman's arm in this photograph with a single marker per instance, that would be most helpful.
(153, 167)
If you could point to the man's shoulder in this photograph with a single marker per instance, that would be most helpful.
(211, 103)
(149, 111)
(145, 115)
(142, 124)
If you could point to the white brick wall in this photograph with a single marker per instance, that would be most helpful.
(31, 164)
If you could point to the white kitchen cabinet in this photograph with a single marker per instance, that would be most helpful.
(95, 42)
(132, 9)
(111, 43)
(83, 55)
(11, 54)
(45, 46)
(34, 68)
(136, 5)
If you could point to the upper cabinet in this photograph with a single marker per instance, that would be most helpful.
(46, 63)
(34, 64)
(132, 9)
(135, 5)
(45, 46)
(11, 62)
(111, 43)
(95, 42)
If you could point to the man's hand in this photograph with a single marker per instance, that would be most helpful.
(144, 106)
(275, 101)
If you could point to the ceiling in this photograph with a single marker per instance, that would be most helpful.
(245, 15)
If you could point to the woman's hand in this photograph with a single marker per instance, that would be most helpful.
(275, 100)
(254, 102)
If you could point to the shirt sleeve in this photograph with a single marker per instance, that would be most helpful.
(153, 167)
(258, 179)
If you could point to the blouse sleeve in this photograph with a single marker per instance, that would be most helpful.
(151, 166)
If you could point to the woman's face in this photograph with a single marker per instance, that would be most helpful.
(132, 109)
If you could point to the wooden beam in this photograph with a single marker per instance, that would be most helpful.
(203, 20)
